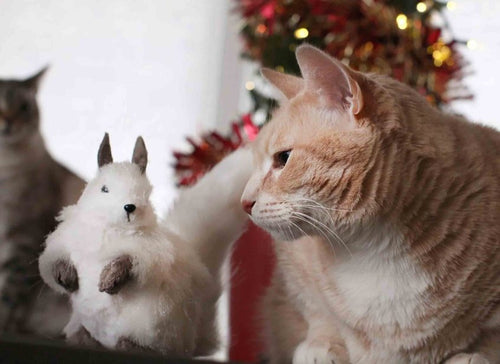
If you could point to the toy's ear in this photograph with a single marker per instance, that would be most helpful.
(104, 154)
(140, 155)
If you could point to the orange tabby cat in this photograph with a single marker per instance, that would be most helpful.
(391, 214)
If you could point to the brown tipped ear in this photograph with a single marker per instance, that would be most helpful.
(140, 155)
(104, 154)
(288, 85)
(33, 82)
(333, 79)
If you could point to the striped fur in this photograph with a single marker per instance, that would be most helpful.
(33, 188)
(387, 221)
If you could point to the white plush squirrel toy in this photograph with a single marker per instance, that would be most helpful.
(133, 283)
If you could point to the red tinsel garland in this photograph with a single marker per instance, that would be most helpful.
(211, 148)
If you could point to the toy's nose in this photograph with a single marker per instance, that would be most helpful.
(129, 208)
(247, 206)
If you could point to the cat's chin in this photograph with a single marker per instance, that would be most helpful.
(282, 231)
(280, 236)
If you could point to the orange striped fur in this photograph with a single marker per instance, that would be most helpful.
(386, 217)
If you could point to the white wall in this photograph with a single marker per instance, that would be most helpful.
(149, 67)
(478, 20)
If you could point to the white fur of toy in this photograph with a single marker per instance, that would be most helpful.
(169, 306)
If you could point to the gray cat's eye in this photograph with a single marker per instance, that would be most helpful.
(104, 189)
(24, 107)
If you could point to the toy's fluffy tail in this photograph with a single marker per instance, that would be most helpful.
(209, 214)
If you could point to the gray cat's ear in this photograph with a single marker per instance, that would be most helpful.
(140, 155)
(104, 154)
(288, 85)
(34, 81)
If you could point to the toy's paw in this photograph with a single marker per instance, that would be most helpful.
(317, 352)
(65, 275)
(464, 358)
(115, 274)
(126, 344)
(83, 338)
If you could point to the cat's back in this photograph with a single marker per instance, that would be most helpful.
(470, 136)
(71, 184)
(34, 186)
(461, 152)
(445, 132)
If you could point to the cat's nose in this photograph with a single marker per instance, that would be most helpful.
(129, 208)
(247, 206)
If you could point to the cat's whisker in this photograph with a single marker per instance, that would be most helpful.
(291, 233)
(325, 235)
(326, 227)
(320, 208)
(40, 291)
(35, 284)
(316, 203)
(298, 227)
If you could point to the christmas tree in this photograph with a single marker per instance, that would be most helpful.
(405, 39)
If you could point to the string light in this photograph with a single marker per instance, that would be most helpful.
(472, 44)
(416, 30)
(261, 29)
(250, 85)
(451, 5)
(421, 7)
(402, 21)
(301, 33)
(441, 55)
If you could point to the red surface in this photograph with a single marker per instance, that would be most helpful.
(252, 263)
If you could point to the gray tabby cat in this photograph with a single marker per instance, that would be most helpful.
(33, 189)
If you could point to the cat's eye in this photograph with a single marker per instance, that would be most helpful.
(104, 189)
(24, 106)
(281, 158)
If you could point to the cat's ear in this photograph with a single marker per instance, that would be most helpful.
(288, 85)
(33, 82)
(333, 79)
(140, 155)
(104, 154)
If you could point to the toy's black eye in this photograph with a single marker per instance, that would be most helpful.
(281, 158)
(104, 189)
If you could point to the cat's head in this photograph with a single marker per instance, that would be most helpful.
(19, 114)
(315, 158)
(119, 195)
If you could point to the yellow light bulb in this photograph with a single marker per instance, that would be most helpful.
(451, 5)
(301, 33)
(437, 55)
(472, 44)
(446, 52)
(421, 7)
(249, 85)
(402, 21)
